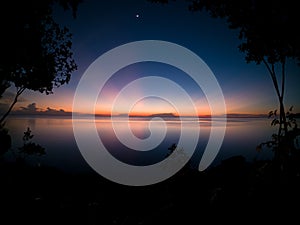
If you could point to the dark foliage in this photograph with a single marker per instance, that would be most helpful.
(30, 148)
(267, 28)
(35, 50)
(235, 192)
(269, 35)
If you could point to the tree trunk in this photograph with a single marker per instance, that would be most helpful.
(281, 150)
(19, 92)
(282, 110)
(280, 95)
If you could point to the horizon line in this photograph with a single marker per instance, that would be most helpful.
(68, 113)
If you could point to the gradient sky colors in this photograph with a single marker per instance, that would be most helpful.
(103, 25)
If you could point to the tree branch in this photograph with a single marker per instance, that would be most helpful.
(20, 90)
(282, 95)
(283, 77)
(273, 76)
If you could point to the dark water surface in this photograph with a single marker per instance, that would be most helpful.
(55, 134)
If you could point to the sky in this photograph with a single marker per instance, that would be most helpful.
(104, 25)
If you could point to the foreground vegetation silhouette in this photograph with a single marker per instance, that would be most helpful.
(36, 52)
(233, 192)
(268, 36)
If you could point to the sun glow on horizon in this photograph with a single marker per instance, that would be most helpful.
(62, 99)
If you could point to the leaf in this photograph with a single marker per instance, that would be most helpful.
(270, 114)
(274, 122)
(291, 108)
(275, 112)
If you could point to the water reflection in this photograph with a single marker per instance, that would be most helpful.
(56, 135)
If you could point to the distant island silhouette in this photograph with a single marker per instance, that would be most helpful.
(156, 115)
(33, 110)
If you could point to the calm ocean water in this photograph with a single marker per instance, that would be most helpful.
(55, 134)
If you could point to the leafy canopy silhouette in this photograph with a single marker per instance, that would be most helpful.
(35, 50)
(268, 34)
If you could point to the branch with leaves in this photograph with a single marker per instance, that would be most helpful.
(36, 52)
(29, 148)
(285, 144)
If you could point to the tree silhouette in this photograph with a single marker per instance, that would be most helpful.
(268, 33)
(35, 50)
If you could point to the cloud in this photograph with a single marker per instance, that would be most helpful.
(51, 111)
(7, 99)
(32, 109)
(55, 112)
